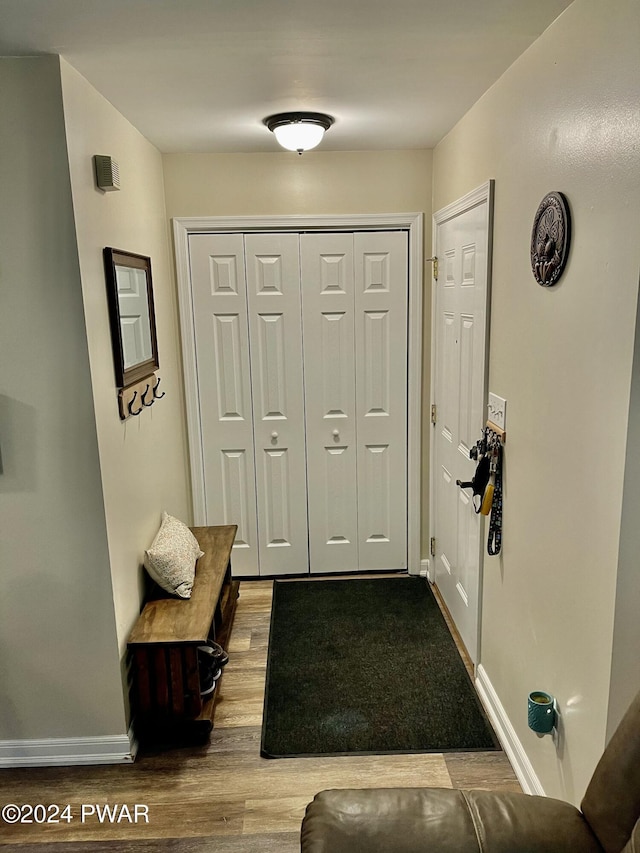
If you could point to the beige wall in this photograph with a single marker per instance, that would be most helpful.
(80, 491)
(315, 183)
(286, 183)
(59, 672)
(143, 459)
(563, 117)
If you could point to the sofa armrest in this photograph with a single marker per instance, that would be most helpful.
(442, 820)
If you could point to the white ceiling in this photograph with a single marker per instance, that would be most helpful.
(200, 75)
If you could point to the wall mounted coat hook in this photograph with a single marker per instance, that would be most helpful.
(157, 396)
(131, 402)
(144, 396)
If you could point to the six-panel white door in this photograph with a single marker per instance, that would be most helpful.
(460, 328)
(219, 294)
(381, 276)
(354, 300)
(273, 291)
(328, 302)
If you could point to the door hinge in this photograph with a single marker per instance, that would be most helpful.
(433, 414)
(433, 546)
(434, 261)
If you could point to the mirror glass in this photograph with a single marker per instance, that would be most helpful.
(131, 311)
(133, 306)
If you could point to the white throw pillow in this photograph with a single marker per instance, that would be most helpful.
(171, 559)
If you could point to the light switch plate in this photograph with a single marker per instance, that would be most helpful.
(497, 410)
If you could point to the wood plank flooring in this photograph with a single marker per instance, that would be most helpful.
(222, 797)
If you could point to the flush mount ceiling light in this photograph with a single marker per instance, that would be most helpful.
(299, 131)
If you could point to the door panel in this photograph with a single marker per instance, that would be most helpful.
(467, 428)
(222, 357)
(329, 356)
(381, 275)
(277, 499)
(460, 331)
(376, 482)
(268, 361)
(237, 493)
(273, 296)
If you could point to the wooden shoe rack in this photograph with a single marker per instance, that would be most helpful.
(163, 645)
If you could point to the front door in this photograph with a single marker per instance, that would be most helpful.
(460, 333)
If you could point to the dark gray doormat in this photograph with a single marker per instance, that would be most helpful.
(366, 666)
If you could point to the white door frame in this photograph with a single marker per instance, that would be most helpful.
(461, 205)
(412, 223)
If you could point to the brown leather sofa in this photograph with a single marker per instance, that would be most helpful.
(442, 820)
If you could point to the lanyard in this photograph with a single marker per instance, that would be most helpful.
(494, 541)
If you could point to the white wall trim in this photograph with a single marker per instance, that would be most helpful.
(507, 735)
(410, 222)
(181, 230)
(326, 222)
(425, 569)
(461, 205)
(62, 752)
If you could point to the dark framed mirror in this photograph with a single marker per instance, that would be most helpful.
(131, 315)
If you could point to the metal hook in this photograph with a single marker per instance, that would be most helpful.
(144, 394)
(131, 402)
(155, 388)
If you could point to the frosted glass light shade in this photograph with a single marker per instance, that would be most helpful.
(300, 136)
(299, 131)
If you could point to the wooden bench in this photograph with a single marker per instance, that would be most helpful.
(164, 644)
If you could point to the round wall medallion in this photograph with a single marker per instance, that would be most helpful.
(550, 239)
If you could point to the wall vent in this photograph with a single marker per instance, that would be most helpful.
(107, 173)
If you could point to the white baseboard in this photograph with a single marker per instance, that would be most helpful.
(63, 752)
(416, 569)
(507, 735)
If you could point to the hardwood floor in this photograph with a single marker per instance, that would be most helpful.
(222, 797)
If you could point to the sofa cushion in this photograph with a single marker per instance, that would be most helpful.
(442, 820)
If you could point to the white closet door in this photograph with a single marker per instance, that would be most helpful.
(330, 392)
(224, 383)
(273, 291)
(381, 274)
